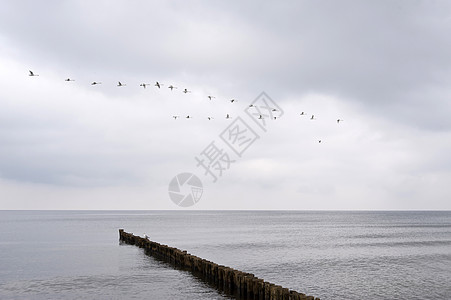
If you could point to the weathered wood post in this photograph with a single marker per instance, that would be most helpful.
(233, 282)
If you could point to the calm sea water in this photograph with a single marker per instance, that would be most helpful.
(331, 255)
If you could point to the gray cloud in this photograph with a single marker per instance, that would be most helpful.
(383, 67)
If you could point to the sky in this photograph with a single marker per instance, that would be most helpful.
(382, 67)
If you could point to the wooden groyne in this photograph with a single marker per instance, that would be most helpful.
(240, 284)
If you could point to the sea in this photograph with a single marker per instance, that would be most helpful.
(327, 254)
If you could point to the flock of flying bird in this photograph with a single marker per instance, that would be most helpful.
(171, 87)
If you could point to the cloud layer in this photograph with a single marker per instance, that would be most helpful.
(383, 67)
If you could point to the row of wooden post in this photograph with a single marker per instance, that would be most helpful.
(233, 282)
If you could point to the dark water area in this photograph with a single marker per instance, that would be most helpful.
(327, 254)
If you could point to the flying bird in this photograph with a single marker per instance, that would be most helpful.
(189, 117)
(260, 117)
(233, 100)
(313, 117)
(319, 141)
(120, 84)
(172, 87)
(228, 116)
(157, 84)
(302, 114)
(211, 97)
(68, 79)
(339, 120)
(209, 118)
(144, 85)
(175, 117)
(186, 91)
(94, 83)
(32, 74)
(251, 105)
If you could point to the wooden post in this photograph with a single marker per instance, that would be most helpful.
(232, 282)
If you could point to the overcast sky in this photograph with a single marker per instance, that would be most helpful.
(383, 67)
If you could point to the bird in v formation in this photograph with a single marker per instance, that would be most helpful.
(171, 87)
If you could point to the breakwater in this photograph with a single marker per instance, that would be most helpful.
(239, 284)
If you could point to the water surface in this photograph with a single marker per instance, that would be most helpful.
(331, 255)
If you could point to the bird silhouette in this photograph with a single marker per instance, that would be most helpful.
(209, 118)
(120, 84)
(32, 74)
(260, 117)
(232, 100)
(94, 83)
(302, 114)
(144, 85)
(175, 117)
(339, 120)
(251, 105)
(186, 91)
(172, 87)
(68, 79)
(228, 116)
(157, 84)
(313, 117)
(211, 97)
(189, 117)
